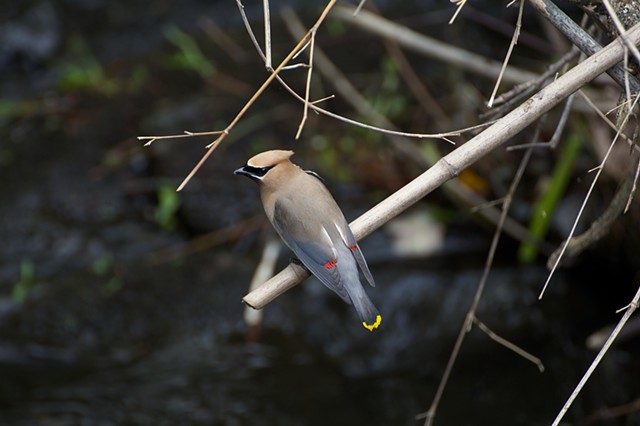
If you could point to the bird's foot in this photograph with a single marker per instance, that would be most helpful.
(297, 261)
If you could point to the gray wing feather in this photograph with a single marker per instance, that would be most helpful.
(312, 255)
(357, 253)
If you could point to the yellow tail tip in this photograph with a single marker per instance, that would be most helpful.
(370, 327)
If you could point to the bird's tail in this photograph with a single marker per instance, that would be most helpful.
(366, 310)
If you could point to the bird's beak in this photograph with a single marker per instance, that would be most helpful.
(242, 171)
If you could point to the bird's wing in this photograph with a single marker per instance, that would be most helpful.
(350, 240)
(318, 257)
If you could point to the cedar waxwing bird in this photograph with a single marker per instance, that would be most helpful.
(307, 218)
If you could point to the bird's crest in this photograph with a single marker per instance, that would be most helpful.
(269, 158)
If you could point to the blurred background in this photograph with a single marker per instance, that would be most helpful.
(120, 299)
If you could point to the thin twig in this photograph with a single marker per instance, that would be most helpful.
(584, 203)
(609, 413)
(562, 122)
(186, 134)
(460, 4)
(509, 345)
(357, 9)
(488, 204)
(602, 225)
(634, 187)
(630, 309)
(267, 34)
(247, 26)
(514, 41)
(606, 120)
(305, 110)
(532, 85)
(522, 91)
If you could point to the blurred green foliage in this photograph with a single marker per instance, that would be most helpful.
(189, 56)
(81, 71)
(167, 207)
(103, 266)
(388, 99)
(86, 74)
(25, 283)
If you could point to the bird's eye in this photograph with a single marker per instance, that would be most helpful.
(258, 171)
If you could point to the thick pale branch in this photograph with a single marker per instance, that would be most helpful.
(452, 164)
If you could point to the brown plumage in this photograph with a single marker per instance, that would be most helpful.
(307, 218)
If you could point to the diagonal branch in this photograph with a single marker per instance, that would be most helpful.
(514, 41)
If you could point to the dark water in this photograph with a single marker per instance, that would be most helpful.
(101, 325)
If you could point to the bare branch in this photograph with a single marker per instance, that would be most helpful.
(357, 9)
(607, 121)
(308, 85)
(460, 4)
(633, 187)
(186, 134)
(267, 35)
(514, 41)
(252, 36)
(507, 344)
